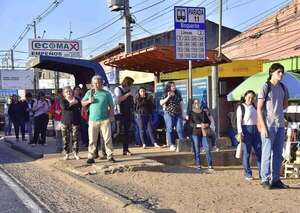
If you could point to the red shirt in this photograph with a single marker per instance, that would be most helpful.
(53, 110)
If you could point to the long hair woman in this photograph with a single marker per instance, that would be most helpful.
(144, 108)
(247, 129)
(171, 102)
(200, 123)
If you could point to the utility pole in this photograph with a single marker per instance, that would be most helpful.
(35, 71)
(215, 76)
(12, 59)
(127, 26)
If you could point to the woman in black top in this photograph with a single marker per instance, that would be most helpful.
(144, 108)
(200, 123)
(71, 108)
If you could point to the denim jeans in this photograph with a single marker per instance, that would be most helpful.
(196, 147)
(145, 128)
(29, 127)
(231, 134)
(271, 157)
(251, 139)
(8, 125)
(172, 121)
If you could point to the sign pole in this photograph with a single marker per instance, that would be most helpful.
(190, 91)
(35, 70)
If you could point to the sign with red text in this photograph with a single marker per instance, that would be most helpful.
(54, 47)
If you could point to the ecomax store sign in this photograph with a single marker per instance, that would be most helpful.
(53, 47)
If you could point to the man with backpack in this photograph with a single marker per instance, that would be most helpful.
(272, 100)
(124, 110)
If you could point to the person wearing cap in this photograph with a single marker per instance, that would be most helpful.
(101, 114)
(272, 100)
(40, 108)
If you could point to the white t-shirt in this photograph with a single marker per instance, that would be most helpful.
(249, 117)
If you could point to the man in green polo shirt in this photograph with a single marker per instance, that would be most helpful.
(101, 114)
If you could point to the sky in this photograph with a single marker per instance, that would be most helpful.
(87, 16)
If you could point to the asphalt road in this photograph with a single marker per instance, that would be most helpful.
(39, 190)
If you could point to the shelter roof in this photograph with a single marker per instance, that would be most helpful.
(83, 70)
(159, 59)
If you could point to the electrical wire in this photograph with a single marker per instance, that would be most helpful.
(146, 8)
(39, 18)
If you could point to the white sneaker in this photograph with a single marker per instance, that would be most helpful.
(172, 148)
(67, 157)
(76, 156)
(144, 146)
(156, 145)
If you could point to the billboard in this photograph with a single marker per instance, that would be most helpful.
(17, 79)
(55, 47)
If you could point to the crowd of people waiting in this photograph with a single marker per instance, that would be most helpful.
(98, 113)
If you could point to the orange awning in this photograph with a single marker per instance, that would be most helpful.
(159, 59)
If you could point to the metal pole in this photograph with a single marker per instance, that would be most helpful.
(215, 76)
(220, 28)
(35, 76)
(127, 22)
(190, 92)
(12, 59)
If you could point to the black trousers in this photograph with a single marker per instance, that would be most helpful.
(17, 126)
(125, 124)
(40, 128)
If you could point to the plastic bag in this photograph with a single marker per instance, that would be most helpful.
(239, 151)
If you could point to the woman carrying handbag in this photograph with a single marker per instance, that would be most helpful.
(200, 123)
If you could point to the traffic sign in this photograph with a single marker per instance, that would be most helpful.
(190, 35)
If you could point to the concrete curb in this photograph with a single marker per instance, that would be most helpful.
(24, 150)
(127, 205)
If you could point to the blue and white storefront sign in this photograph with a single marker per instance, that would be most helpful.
(190, 33)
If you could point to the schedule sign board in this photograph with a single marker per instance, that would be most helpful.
(54, 47)
(190, 36)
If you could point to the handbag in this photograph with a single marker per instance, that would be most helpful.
(206, 131)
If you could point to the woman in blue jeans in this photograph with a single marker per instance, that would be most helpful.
(246, 127)
(143, 105)
(200, 123)
(171, 102)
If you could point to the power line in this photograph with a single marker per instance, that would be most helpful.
(264, 12)
(101, 29)
(38, 19)
(148, 7)
(262, 29)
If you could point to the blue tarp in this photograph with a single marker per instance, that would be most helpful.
(83, 70)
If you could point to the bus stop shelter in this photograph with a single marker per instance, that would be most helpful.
(83, 70)
(159, 59)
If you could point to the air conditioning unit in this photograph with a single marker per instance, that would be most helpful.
(116, 5)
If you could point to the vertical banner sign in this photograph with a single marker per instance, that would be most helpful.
(190, 36)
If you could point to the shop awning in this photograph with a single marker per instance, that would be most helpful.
(291, 81)
(159, 59)
(83, 70)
